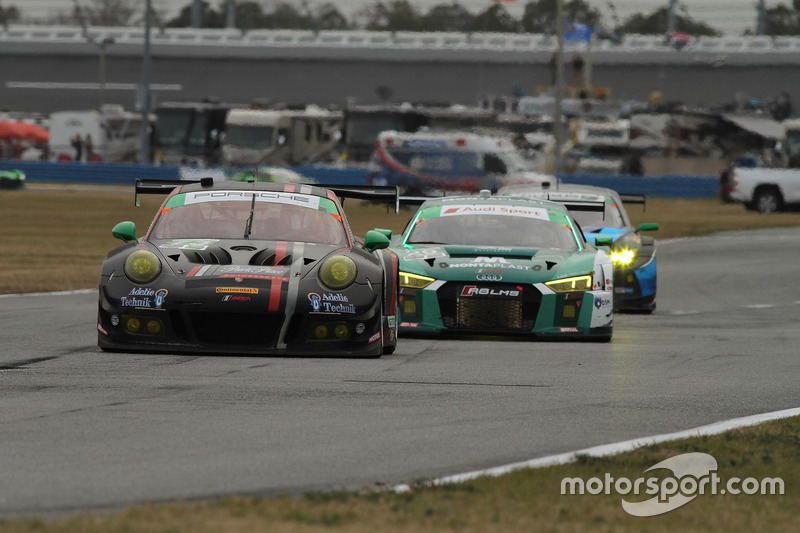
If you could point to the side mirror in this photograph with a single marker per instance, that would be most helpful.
(375, 240)
(647, 226)
(125, 231)
(604, 241)
(386, 232)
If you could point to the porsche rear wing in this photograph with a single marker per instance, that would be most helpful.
(362, 192)
(149, 186)
(366, 192)
(416, 200)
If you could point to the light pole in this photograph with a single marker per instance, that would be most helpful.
(557, 130)
(144, 144)
(102, 44)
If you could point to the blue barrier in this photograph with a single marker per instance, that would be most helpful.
(69, 172)
(670, 186)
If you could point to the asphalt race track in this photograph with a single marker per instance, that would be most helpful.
(86, 430)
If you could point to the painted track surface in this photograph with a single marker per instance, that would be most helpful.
(82, 429)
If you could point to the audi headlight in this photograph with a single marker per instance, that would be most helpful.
(414, 281)
(337, 272)
(576, 284)
(142, 266)
(623, 257)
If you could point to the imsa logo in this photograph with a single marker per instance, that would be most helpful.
(472, 290)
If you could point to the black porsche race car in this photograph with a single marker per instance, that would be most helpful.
(245, 267)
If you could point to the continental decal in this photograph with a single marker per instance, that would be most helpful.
(247, 290)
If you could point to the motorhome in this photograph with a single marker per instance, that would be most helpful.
(190, 133)
(256, 137)
(113, 134)
(427, 162)
(363, 123)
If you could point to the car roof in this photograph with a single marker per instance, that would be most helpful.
(586, 189)
(565, 191)
(494, 200)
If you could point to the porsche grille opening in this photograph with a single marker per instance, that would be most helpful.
(237, 328)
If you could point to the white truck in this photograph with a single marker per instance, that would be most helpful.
(765, 190)
(114, 134)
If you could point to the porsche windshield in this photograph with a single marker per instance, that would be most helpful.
(262, 215)
(494, 229)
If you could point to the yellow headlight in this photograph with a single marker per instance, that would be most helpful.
(337, 272)
(576, 284)
(133, 325)
(341, 331)
(623, 257)
(414, 281)
(142, 266)
(320, 331)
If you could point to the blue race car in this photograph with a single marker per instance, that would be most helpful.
(600, 213)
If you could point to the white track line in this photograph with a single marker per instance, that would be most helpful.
(612, 449)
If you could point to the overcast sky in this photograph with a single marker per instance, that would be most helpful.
(729, 16)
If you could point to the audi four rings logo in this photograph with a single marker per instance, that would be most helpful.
(489, 277)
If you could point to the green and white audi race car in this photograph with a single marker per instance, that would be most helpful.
(501, 265)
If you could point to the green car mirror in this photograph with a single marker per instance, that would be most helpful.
(604, 241)
(647, 226)
(375, 240)
(125, 231)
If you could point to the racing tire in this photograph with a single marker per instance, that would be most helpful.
(389, 350)
(767, 200)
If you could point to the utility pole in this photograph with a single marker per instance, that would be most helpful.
(559, 135)
(761, 26)
(671, 16)
(103, 44)
(197, 11)
(230, 18)
(144, 144)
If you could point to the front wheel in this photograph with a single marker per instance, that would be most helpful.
(391, 332)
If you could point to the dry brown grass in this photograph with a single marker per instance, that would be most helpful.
(55, 238)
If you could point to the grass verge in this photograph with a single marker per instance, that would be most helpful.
(55, 238)
(522, 501)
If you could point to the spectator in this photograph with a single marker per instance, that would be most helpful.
(577, 71)
(77, 143)
(89, 148)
